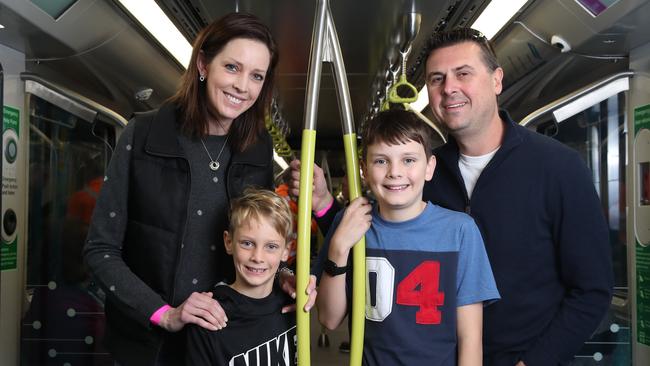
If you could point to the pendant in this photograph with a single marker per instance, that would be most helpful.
(214, 166)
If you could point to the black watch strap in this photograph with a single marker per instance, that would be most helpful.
(333, 269)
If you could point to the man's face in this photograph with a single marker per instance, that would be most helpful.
(462, 90)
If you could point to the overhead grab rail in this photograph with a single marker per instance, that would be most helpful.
(68, 100)
(278, 129)
(393, 95)
(614, 80)
(325, 47)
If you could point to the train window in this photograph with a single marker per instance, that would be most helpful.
(599, 135)
(63, 319)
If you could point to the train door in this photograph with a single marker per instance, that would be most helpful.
(70, 145)
(594, 122)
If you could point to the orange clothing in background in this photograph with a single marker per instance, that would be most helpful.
(283, 191)
(82, 203)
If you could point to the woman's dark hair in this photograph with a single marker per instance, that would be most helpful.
(191, 97)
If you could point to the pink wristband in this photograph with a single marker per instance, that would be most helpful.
(323, 211)
(155, 318)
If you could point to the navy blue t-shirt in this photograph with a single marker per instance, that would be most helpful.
(418, 272)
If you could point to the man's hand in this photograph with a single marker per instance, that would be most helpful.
(200, 308)
(321, 197)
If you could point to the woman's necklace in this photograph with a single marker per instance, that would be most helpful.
(214, 163)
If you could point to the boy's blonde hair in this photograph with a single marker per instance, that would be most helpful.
(261, 203)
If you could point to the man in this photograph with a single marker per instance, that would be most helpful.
(533, 201)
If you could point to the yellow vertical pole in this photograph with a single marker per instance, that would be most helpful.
(308, 149)
(359, 256)
(326, 48)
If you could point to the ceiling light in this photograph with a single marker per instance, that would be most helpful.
(590, 99)
(423, 100)
(496, 15)
(2, 26)
(149, 14)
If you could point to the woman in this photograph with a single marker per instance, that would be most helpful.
(155, 244)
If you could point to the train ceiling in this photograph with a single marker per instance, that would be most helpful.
(97, 50)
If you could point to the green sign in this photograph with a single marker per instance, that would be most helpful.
(9, 255)
(642, 121)
(9, 244)
(11, 119)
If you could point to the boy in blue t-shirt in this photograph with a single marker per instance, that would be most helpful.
(427, 271)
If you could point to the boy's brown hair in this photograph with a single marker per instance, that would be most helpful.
(261, 203)
(396, 126)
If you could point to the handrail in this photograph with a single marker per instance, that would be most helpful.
(531, 118)
(393, 94)
(71, 101)
(325, 47)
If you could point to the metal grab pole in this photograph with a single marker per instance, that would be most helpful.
(354, 185)
(325, 47)
(308, 149)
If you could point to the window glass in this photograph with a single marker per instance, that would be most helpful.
(64, 315)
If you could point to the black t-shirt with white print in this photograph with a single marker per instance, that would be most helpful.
(257, 334)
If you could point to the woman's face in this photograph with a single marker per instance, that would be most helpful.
(234, 78)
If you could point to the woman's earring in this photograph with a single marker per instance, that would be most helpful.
(202, 77)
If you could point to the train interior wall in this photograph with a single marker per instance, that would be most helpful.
(14, 199)
(639, 97)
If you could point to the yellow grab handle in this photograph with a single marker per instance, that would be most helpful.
(393, 97)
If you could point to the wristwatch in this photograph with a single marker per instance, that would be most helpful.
(333, 269)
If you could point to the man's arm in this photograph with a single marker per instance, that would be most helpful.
(469, 324)
(584, 254)
(323, 204)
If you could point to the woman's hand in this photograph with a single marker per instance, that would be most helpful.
(288, 285)
(200, 308)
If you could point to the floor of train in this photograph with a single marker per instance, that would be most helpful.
(327, 356)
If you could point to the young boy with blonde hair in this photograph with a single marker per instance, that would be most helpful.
(257, 330)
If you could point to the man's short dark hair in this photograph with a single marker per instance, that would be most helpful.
(396, 126)
(460, 35)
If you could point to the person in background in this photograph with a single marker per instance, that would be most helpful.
(283, 191)
(532, 199)
(153, 245)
